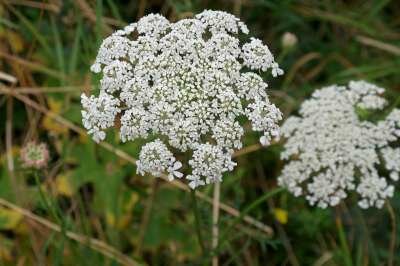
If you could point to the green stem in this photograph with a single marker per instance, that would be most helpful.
(197, 220)
(249, 208)
(43, 198)
(343, 242)
(50, 208)
(392, 244)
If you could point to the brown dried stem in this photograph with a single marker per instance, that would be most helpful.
(215, 218)
(95, 244)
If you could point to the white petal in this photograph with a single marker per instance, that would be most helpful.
(394, 176)
(177, 165)
(264, 141)
(95, 68)
(192, 185)
(178, 174)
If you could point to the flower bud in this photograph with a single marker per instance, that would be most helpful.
(289, 40)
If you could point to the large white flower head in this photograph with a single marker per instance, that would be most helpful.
(332, 151)
(190, 84)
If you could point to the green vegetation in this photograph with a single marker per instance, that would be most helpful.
(88, 206)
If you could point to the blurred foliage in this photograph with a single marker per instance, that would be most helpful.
(48, 46)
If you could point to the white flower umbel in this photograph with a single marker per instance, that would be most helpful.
(209, 161)
(99, 114)
(156, 159)
(189, 83)
(332, 151)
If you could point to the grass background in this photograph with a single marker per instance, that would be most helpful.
(89, 191)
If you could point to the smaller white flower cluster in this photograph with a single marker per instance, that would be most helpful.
(332, 151)
(99, 114)
(189, 83)
(156, 159)
(257, 56)
(209, 161)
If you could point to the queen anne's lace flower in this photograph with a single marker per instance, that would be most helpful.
(332, 151)
(188, 82)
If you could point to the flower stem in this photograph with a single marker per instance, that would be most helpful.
(43, 198)
(197, 220)
(392, 245)
(215, 231)
(343, 241)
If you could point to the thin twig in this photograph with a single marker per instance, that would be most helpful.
(35, 4)
(7, 77)
(40, 90)
(95, 244)
(33, 65)
(392, 245)
(246, 210)
(327, 256)
(246, 150)
(88, 12)
(378, 44)
(123, 155)
(234, 212)
(215, 218)
(296, 66)
(10, 159)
